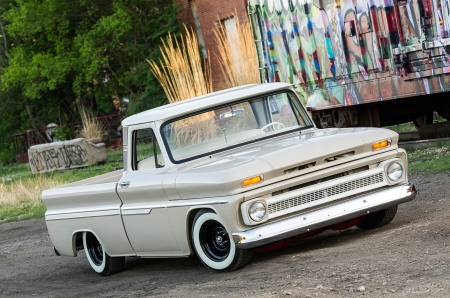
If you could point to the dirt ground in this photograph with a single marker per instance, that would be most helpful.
(407, 258)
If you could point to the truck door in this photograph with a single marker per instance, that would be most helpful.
(144, 212)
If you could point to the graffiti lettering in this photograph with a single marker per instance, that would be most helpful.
(64, 157)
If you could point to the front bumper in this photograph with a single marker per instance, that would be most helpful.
(321, 218)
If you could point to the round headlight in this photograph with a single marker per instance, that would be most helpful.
(257, 211)
(395, 171)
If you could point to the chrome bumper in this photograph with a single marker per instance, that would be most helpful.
(324, 217)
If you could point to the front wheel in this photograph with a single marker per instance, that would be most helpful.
(98, 258)
(214, 246)
(378, 219)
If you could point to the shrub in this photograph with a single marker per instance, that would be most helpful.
(6, 155)
(61, 133)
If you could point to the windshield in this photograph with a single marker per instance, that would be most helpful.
(239, 122)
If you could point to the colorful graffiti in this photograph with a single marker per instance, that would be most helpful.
(348, 52)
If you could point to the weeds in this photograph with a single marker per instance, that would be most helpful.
(20, 190)
(21, 199)
(433, 159)
(237, 54)
(402, 127)
(182, 73)
(92, 128)
(26, 190)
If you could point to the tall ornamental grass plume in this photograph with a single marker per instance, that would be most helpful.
(183, 74)
(26, 191)
(237, 54)
(92, 127)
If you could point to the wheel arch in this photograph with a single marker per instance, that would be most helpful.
(191, 214)
(77, 240)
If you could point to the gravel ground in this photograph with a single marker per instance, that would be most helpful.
(407, 258)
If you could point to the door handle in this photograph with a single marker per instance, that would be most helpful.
(124, 184)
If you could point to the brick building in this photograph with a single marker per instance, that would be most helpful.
(203, 15)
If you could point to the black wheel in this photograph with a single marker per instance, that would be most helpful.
(378, 219)
(99, 259)
(214, 246)
(423, 120)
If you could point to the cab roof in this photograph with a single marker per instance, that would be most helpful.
(174, 110)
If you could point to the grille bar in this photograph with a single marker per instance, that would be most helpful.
(325, 193)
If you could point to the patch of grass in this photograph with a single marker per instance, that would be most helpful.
(15, 170)
(432, 159)
(115, 155)
(20, 190)
(402, 127)
(16, 213)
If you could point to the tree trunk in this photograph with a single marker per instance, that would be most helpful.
(34, 124)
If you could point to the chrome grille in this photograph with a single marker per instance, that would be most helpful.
(324, 193)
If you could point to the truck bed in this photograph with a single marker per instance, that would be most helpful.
(105, 178)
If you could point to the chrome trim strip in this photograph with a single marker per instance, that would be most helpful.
(132, 209)
(57, 216)
(324, 217)
(173, 204)
(82, 210)
(136, 211)
(199, 203)
(125, 210)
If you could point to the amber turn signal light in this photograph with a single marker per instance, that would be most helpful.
(381, 145)
(251, 181)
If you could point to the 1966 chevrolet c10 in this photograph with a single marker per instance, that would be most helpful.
(224, 173)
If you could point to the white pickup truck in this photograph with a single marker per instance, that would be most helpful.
(224, 173)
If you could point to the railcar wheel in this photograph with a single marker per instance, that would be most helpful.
(378, 219)
(214, 246)
(98, 258)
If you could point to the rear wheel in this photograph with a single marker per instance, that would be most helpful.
(98, 258)
(214, 246)
(378, 219)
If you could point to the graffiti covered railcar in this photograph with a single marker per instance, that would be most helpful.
(355, 62)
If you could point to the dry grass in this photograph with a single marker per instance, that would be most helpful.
(26, 191)
(183, 74)
(92, 128)
(237, 54)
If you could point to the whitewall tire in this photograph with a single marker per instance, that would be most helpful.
(98, 258)
(214, 246)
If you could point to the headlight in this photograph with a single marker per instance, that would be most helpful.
(257, 211)
(395, 171)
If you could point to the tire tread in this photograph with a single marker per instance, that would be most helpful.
(244, 257)
(113, 265)
(378, 219)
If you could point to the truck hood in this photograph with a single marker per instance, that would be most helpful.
(222, 174)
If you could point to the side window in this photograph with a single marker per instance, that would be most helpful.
(147, 153)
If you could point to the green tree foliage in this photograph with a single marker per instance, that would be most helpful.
(58, 52)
